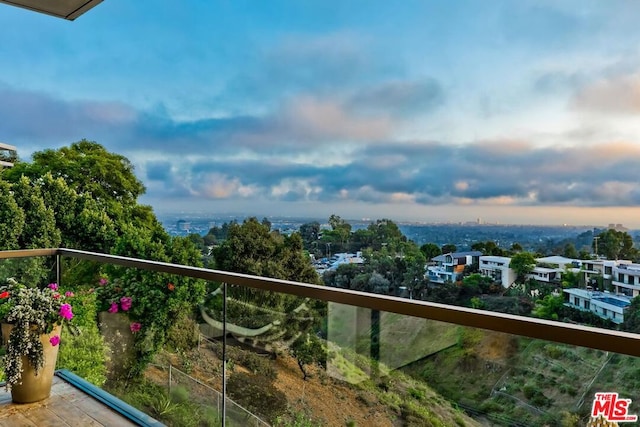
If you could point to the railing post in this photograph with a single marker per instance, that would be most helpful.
(169, 379)
(224, 354)
(58, 269)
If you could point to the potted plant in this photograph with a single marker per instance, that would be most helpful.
(32, 320)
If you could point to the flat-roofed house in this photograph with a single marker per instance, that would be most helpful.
(497, 267)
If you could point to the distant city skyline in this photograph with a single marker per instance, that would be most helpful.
(515, 112)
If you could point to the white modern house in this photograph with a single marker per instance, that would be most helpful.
(559, 262)
(497, 267)
(449, 267)
(544, 274)
(604, 304)
(626, 279)
(588, 268)
(6, 150)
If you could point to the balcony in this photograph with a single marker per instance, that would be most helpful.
(7, 155)
(389, 360)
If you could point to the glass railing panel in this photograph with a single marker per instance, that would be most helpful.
(32, 271)
(371, 367)
(141, 341)
(295, 361)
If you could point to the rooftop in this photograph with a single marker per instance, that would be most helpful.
(66, 9)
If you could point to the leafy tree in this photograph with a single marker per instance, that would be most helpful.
(449, 248)
(87, 167)
(446, 293)
(478, 281)
(39, 229)
(252, 248)
(348, 276)
(361, 239)
(83, 196)
(310, 233)
(430, 250)
(386, 232)
(217, 234)
(91, 192)
(549, 307)
(584, 255)
(378, 283)
(632, 317)
(339, 234)
(570, 251)
(11, 218)
(488, 248)
(571, 279)
(522, 263)
(198, 242)
(516, 247)
(308, 350)
(615, 244)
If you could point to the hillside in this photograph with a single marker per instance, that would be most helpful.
(514, 381)
(396, 400)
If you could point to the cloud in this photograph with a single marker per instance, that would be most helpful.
(432, 173)
(612, 95)
(399, 98)
(300, 64)
(27, 114)
(28, 117)
(274, 157)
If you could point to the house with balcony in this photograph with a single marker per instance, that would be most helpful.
(497, 267)
(626, 279)
(604, 304)
(545, 274)
(588, 269)
(449, 267)
(7, 155)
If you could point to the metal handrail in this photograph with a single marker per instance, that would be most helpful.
(566, 333)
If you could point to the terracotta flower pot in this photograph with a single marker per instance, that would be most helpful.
(32, 387)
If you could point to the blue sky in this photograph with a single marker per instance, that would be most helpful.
(514, 112)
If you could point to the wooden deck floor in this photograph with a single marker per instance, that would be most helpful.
(67, 406)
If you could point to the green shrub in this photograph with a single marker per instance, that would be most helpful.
(257, 394)
(84, 354)
(554, 351)
(416, 393)
(535, 396)
(179, 394)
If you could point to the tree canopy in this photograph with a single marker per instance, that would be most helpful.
(85, 197)
(522, 263)
(615, 244)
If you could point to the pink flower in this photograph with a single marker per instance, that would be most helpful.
(54, 340)
(113, 308)
(65, 311)
(103, 281)
(68, 294)
(125, 303)
(56, 295)
(53, 286)
(135, 327)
